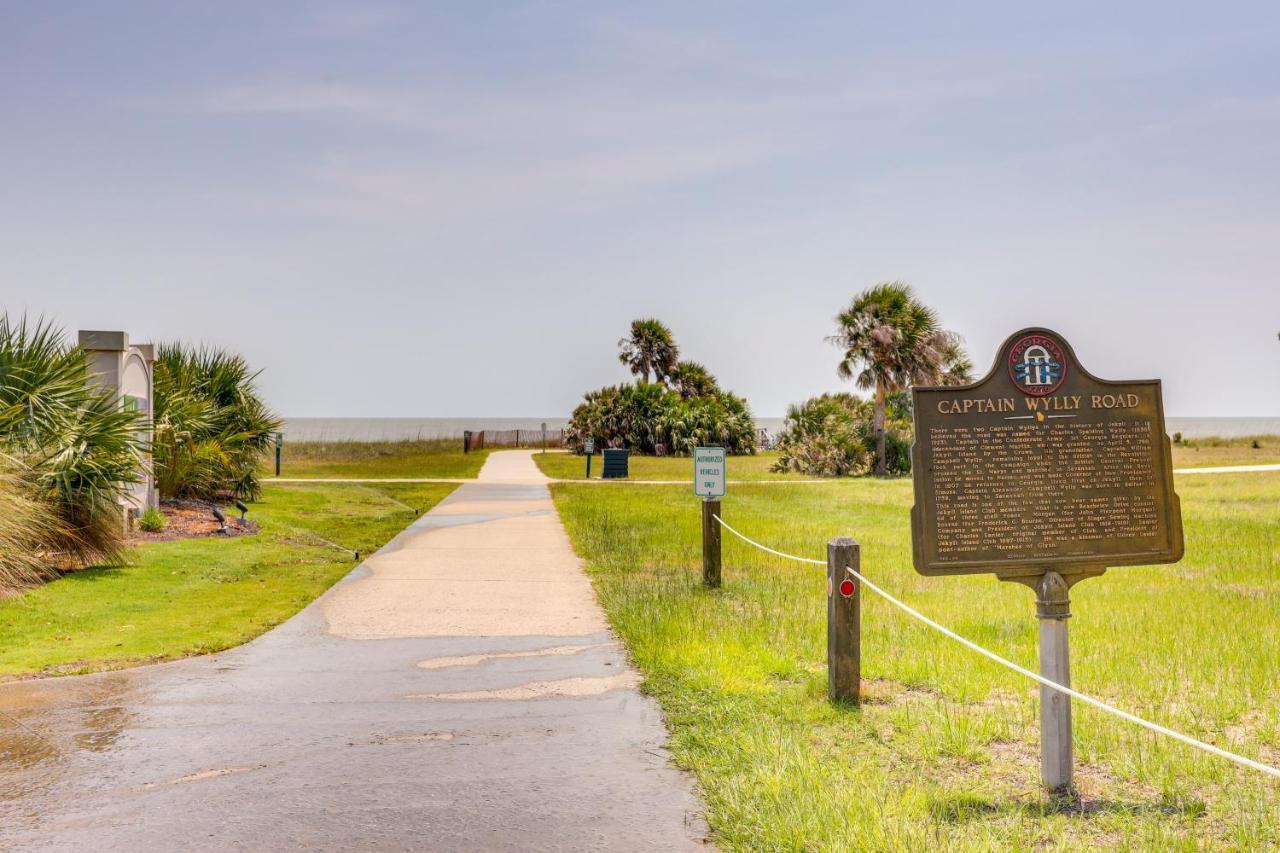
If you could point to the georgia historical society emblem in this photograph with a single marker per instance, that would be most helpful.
(1037, 364)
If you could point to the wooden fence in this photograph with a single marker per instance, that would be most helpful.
(489, 438)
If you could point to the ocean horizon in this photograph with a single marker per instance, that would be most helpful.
(395, 429)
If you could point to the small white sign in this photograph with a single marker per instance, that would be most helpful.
(589, 445)
(708, 472)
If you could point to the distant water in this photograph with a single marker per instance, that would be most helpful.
(387, 429)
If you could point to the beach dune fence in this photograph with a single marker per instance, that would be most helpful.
(490, 438)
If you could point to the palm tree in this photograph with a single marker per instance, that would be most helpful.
(649, 349)
(212, 426)
(692, 379)
(892, 341)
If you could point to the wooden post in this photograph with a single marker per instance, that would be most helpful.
(844, 629)
(710, 543)
(279, 448)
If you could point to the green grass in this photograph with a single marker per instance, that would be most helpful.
(190, 597)
(1194, 453)
(1205, 452)
(426, 458)
(943, 754)
(567, 466)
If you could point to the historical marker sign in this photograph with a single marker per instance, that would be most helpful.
(1041, 466)
(708, 471)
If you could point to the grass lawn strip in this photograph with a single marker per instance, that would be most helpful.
(568, 466)
(175, 599)
(944, 754)
(1200, 453)
(428, 458)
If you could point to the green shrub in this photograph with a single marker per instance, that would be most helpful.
(655, 419)
(211, 427)
(78, 447)
(152, 520)
(685, 408)
(832, 436)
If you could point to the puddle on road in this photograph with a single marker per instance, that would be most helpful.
(541, 689)
(43, 722)
(472, 660)
(418, 738)
(22, 748)
(202, 775)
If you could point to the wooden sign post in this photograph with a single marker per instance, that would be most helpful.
(709, 484)
(1043, 474)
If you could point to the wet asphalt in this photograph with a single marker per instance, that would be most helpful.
(303, 740)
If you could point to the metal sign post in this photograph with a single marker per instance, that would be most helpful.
(588, 447)
(1052, 611)
(279, 448)
(1045, 475)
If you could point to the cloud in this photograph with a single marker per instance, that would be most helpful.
(547, 183)
(548, 146)
(608, 134)
(306, 98)
(349, 22)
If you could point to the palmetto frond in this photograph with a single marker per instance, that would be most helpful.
(79, 447)
(212, 427)
(649, 349)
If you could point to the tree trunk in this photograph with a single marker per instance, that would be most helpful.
(877, 426)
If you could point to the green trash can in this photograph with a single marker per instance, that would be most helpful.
(616, 462)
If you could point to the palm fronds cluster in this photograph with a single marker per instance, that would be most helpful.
(67, 452)
(649, 349)
(890, 341)
(211, 426)
(683, 408)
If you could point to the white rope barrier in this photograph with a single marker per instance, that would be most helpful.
(1053, 685)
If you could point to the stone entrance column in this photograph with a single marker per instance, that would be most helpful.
(126, 371)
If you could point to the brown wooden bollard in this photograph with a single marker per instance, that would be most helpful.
(710, 544)
(844, 629)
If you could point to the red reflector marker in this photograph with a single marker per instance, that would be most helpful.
(846, 587)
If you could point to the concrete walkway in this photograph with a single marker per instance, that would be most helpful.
(458, 691)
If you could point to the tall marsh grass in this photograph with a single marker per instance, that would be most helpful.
(27, 528)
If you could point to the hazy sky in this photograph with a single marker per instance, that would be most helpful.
(456, 208)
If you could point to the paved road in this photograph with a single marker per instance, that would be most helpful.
(459, 691)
